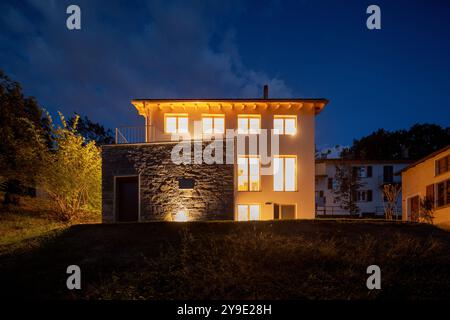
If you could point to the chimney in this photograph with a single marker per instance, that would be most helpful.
(266, 92)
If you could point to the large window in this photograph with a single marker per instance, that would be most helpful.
(285, 124)
(443, 193)
(248, 212)
(213, 123)
(442, 165)
(248, 173)
(175, 123)
(285, 173)
(249, 123)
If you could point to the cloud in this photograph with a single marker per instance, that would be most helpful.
(124, 51)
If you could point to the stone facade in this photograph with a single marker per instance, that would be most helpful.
(211, 198)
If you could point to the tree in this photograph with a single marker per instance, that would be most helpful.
(426, 213)
(415, 143)
(391, 193)
(20, 117)
(72, 172)
(92, 131)
(348, 183)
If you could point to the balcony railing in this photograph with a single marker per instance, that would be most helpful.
(338, 211)
(144, 134)
(136, 134)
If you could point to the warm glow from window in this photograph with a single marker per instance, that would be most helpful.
(248, 212)
(175, 123)
(213, 124)
(249, 123)
(285, 173)
(248, 173)
(285, 124)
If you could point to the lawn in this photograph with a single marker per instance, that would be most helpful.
(324, 259)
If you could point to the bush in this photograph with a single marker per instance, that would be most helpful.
(71, 175)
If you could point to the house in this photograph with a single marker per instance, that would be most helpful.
(142, 181)
(428, 178)
(370, 198)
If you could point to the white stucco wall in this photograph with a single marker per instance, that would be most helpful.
(327, 169)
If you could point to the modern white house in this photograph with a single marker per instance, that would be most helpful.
(141, 181)
(428, 178)
(370, 199)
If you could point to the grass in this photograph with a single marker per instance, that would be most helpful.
(324, 259)
(33, 220)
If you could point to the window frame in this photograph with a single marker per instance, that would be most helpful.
(445, 196)
(213, 116)
(363, 195)
(177, 116)
(248, 117)
(248, 211)
(248, 157)
(284, 173)
(437, 165)
(284, 117)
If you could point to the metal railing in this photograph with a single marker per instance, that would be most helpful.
(337, 210)
(144, 134)
(134, 134)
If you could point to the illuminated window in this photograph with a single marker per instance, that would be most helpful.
(285, 173)
(213, 123)
(248, 173)
(248, 212)
(249, 123)
(175, 123)
(285, 124)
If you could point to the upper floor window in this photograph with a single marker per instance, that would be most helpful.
(285, 173)
(284, 124)
(248, 173)
(443, 193)
(249, 123)
(442, 165)
(176, 123)
(388, 174)
(363, 171)
(213, 123)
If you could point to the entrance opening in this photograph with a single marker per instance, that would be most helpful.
(127, 199)
(283, 211)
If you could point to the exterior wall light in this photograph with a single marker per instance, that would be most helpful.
(181, 216)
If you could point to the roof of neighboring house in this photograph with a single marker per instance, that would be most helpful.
(318, 103)
(361, 161)
(423, 159)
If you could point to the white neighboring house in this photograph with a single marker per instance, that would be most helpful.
(374, 174)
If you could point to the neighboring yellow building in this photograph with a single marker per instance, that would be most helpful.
(428, 178)
(288, 193)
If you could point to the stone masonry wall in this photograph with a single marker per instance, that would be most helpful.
(212, 197)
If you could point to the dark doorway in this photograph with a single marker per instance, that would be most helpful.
(283, 211)
(127, 199)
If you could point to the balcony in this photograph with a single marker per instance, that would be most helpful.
(151, 134)
(136, 134)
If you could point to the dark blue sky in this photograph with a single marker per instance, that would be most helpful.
(389, 78)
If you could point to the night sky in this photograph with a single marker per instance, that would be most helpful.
(389, 78)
